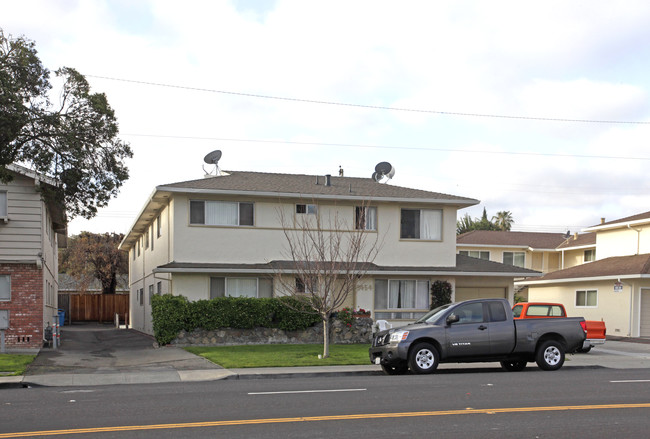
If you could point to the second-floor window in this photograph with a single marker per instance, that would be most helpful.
(423, 224)
(517, 259)
(221, 213)
(3, 204)
(307, 209)
(365, 218)
(590, 255)
(476, 254)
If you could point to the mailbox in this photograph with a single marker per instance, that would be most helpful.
(4, 319)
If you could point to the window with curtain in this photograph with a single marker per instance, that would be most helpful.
(423, 224)
(365, 218)
(221, 213)
(398, 294)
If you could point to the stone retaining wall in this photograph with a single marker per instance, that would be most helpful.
(359, 332)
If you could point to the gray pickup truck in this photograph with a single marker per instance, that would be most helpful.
(477, 331)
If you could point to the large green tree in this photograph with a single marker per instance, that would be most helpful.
(501, 221)
(73, 140)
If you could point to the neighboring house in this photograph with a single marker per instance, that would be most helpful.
(577, 250)
(532, 250)
(30, 230)
(614, 286)
(222, 235)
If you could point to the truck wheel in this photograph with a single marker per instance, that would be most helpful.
(550, 355)
(423, 358)
(513, 366)
(398, 369)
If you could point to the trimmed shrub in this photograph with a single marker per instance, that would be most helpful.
(440, 293)
(172, 314)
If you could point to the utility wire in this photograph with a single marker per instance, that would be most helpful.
(409, 148)
(373, 107)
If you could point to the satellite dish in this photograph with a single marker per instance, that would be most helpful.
(384, 171)
(213, 157)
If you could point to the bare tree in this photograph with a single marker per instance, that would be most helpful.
(325, 260)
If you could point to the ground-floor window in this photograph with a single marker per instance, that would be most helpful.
(401, 299)
(241, 287)
(587, 298)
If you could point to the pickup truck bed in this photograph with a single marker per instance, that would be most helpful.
(596, 330)
(473, 331)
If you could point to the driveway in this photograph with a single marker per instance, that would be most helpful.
(95, 353)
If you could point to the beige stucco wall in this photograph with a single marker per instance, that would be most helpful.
(266, 241)
(623, 242)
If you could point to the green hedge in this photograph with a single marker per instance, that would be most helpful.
(172, 314)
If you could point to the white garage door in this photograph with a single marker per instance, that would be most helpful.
(645, 313)
(467, 293)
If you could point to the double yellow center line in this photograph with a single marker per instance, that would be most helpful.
(468, 411)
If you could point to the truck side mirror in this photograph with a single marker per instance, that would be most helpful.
(452, 318)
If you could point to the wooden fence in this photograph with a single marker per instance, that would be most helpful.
(94, 307)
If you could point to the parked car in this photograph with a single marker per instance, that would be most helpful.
(473, 331)
(596, 330)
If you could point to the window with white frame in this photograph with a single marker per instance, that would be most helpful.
(425, 224)
(587, 298)
(3, 204)
(365, 218)
(5, 287)
(151, 234)
(590, 255)
(221, 213)
(401, 294)
(241, 287)
(518, 259)
(479, 254)
(307, 209)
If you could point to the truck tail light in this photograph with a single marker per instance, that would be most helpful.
(584, 326)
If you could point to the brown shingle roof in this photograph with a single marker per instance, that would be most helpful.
(637, 217)
(310, 185)
(614, 266)
(583, 240)
(534, 240)
(464, 264)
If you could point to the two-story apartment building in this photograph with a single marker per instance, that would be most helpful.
(532, 250)
(222, 235)
(613, 281)
(30, 230)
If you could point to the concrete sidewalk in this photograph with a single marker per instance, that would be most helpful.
(94, 355)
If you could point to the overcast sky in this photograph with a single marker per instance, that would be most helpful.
(502, 101)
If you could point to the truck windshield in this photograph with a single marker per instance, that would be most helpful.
(433, 315)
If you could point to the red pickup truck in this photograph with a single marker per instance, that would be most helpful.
(596, 330)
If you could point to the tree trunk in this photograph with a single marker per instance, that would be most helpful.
(326, 338)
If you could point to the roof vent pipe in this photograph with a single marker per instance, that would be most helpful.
(328, 180)
(602, 220)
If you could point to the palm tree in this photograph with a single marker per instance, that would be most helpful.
(503, 220)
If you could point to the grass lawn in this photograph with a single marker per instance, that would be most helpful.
(14, 364)
(283, 355)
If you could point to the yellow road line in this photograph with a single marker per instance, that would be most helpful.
(322, 418)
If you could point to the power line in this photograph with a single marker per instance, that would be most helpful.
(410, 148)
(373, 107)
